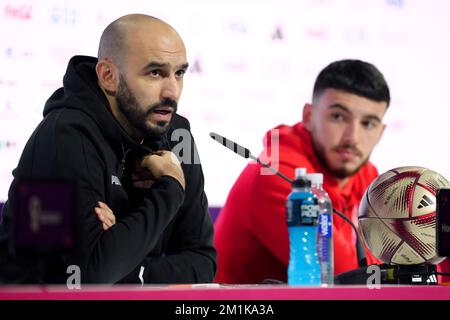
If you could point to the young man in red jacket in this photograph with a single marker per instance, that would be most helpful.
(339, 131)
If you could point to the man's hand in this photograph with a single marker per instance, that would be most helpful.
(105, 215)
(141, 177)
(163, 163)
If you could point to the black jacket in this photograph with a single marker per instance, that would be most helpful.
(166, 230)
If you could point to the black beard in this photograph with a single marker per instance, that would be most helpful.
(137, 116)
(337, 173)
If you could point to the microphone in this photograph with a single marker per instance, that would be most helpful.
(245, 152)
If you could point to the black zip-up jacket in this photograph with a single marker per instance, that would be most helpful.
(164, 229)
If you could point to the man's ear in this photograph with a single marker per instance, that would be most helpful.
(107, 75)
(307, 116)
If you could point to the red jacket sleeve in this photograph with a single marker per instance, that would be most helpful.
(268, 211)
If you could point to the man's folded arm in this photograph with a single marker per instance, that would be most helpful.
(108, 256)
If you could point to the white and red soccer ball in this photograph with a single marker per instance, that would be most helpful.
(397, 216)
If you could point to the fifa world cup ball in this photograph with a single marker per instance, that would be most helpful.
(397, 216)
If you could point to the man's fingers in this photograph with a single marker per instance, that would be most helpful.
(112, 218)
(143, 184)
(143, 175)
(164, 163)
(105, 208)
(106, 224)
(107, 219)
(105, 215)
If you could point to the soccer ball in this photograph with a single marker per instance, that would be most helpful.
(397, 216)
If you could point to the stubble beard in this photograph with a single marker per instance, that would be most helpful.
(340, 173)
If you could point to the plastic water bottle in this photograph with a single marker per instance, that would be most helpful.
(325, 236)
(302, 220)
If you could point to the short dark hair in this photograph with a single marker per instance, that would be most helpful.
(353, 76)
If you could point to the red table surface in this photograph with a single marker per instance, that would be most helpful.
(240, 292)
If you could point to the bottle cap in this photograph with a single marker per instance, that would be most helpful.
(315, 178)
(300, 172)
(301, 181)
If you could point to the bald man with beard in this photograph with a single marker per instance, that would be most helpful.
(141, 210)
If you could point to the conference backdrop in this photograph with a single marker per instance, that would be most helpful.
(252, 67)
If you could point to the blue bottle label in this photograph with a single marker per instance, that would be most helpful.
(302, 213)
(325, 225)
(309, 214)
(309, 210)
(325, 230)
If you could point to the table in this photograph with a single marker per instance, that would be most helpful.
(224, 292)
